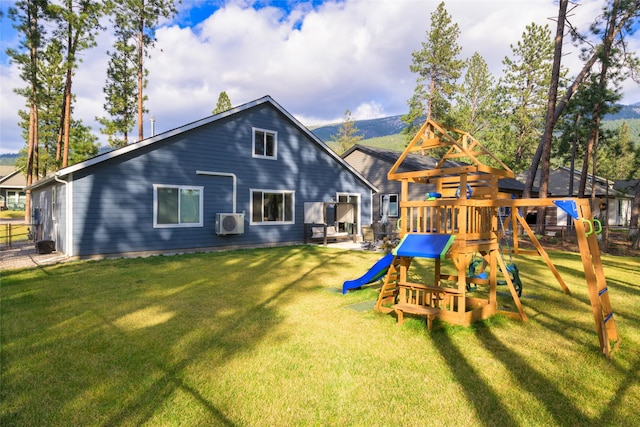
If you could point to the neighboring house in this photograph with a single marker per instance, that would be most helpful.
(607, 198)
(12, 183)
(236, 179)
(375, 163)
(627, 186)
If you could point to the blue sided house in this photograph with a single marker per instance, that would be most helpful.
(235, 179)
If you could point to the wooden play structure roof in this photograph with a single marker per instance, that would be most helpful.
(461, 160)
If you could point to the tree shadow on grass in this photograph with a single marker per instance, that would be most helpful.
(82, 348)
(486, 402)
(249, 318)
(558, 405)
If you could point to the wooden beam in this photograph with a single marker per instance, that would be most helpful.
(398, 176)
(543, 253)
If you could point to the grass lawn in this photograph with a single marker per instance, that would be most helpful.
(18, 233)
(265, 337)
(12, 214)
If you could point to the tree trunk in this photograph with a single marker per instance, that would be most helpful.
(605, 219)
(31, 147)
(32, 138)
(141, 73)
(545, 140)
(60, 138)
(634, 226)
(67, 119)
(593, 135)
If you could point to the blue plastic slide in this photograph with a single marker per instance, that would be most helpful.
(378, 270)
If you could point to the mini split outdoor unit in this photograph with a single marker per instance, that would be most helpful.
(229, 223)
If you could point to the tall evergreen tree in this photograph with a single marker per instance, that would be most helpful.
(224, 103)
(27, 16)
(78, 26)
(347, 135)
(138, 19)
(51, 72)
(615, 65)
(121, 88)
(524, 88)
(475, 102)
(438, 69)
(614, 26)
(617, 155)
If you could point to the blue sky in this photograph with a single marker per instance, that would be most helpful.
(316, 58)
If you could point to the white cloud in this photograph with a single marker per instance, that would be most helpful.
(316, 62)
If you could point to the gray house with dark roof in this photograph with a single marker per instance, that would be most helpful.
(12, 183)
(607, 197)
(236, 179)
(374, 163)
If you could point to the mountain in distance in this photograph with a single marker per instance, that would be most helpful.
(371, 128)
(392, 125)
(626, 112)
(385, 126)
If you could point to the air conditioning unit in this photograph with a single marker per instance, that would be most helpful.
(229, 223)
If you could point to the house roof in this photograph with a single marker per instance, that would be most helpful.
(559, 183)
(415, 161)
(627, 186)
(11, 177)
(198, 123)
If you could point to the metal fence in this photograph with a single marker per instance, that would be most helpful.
(12, 233)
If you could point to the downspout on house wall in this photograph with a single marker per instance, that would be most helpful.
(68, 230)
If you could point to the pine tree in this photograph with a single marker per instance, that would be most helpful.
(51, 72)
(617, 23)
(617, 154)
(438, 69)
(78, 24)
(615, 64)
(224, 103)
(27, 16)
(475, 104)
(524, 88)
(138, 19)
(347, 135)
(121, 90)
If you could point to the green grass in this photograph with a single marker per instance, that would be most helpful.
(19, 233)
(265, 337)
(11, 214)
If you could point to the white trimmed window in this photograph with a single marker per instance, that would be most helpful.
(272, 207)
(177, 206)
(265, 143)
(394, 205)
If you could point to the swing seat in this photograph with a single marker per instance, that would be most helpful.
(471, 272)
(512, 270)
(514, 274)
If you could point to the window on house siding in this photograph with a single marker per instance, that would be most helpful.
(265, 143)
(272, 206)
(177, 206)
(393, 204)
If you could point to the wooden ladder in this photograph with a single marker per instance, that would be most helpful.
(596, 281)
(389, 289)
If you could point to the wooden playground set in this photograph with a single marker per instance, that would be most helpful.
(461, 221)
